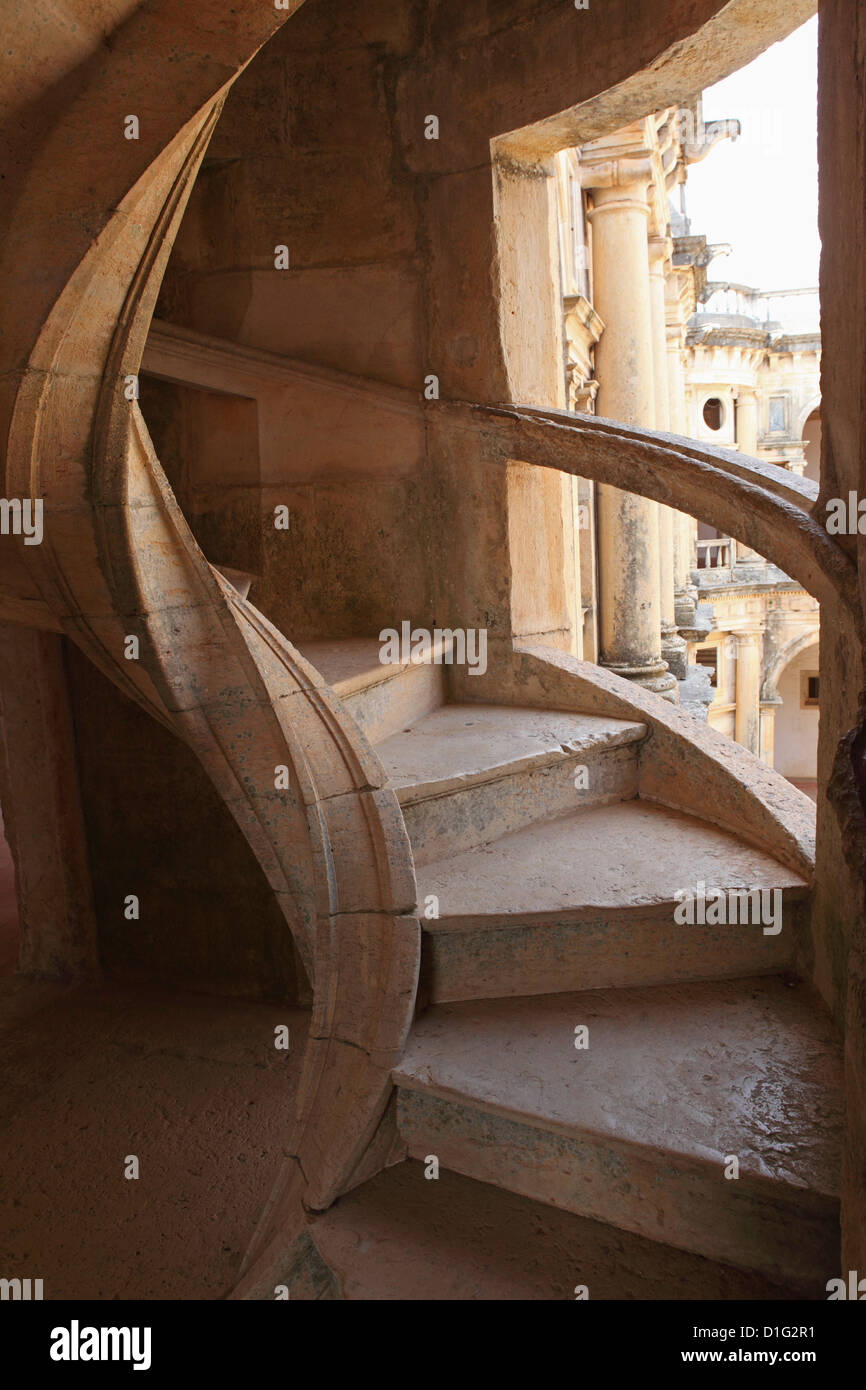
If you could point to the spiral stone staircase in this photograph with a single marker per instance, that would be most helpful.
(463, 903)
(550, 908)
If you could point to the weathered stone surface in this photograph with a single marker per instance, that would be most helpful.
(636, 1128)
(467, 774)
(587, 901)
(194, 1087)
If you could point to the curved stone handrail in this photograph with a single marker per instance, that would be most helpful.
(791, 487)
(759, 503)
(118, 561)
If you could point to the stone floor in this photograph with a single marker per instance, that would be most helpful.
(193, 1086)
(403, 1236)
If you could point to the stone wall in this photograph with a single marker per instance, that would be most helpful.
(156, 828)
(839, 917)
(305, 156)
(404, 263)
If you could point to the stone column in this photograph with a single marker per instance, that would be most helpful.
(630, 599)
(747, 423)
(747, 718)
(673, 648)
(685, 527)
(674, 335)
(747, 443)
(680, 304)
(768, 728)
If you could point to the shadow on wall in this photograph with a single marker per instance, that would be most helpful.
(8, 909)
(158, 830)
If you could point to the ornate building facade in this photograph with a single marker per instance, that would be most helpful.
(714, 367)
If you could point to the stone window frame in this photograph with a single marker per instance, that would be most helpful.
(723, 413)
(783, 398)
(807, 700)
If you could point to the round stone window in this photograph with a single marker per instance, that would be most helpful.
(714, 413)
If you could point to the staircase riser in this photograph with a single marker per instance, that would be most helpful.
(464, 818)
(385, 709)
(613, 948)
(762, 1226)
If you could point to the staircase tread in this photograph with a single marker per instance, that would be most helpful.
(402, 1237)
(349, 664)
(459, 744)
(578, 860)
(751, 1067)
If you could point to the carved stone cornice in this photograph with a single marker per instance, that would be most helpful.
(583, 328)
(631, 156)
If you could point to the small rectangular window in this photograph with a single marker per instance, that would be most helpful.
(810, 690)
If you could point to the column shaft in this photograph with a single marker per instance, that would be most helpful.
(747, 720)
(673, 648)
(630, 598)
(747, 423)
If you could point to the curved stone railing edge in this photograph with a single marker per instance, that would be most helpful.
(119, 559)
(791, 486)
(749, 502)
(684, 763)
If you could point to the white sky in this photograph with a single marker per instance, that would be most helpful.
(760, 192)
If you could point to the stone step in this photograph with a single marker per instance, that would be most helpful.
(383, 698)
(467, 774)
(587, 901)
(638, 1129)
(403, 1236)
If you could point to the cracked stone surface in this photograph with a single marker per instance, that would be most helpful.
(458, 744)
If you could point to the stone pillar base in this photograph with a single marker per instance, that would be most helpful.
(653, 676)
(685, 606)
(696, 693)
(675, 654)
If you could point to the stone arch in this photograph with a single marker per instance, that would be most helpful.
(783, 658)
(797, 720)
(809, 409)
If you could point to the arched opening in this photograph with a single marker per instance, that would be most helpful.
(812, 442)
(797, 718)
(631, 272)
